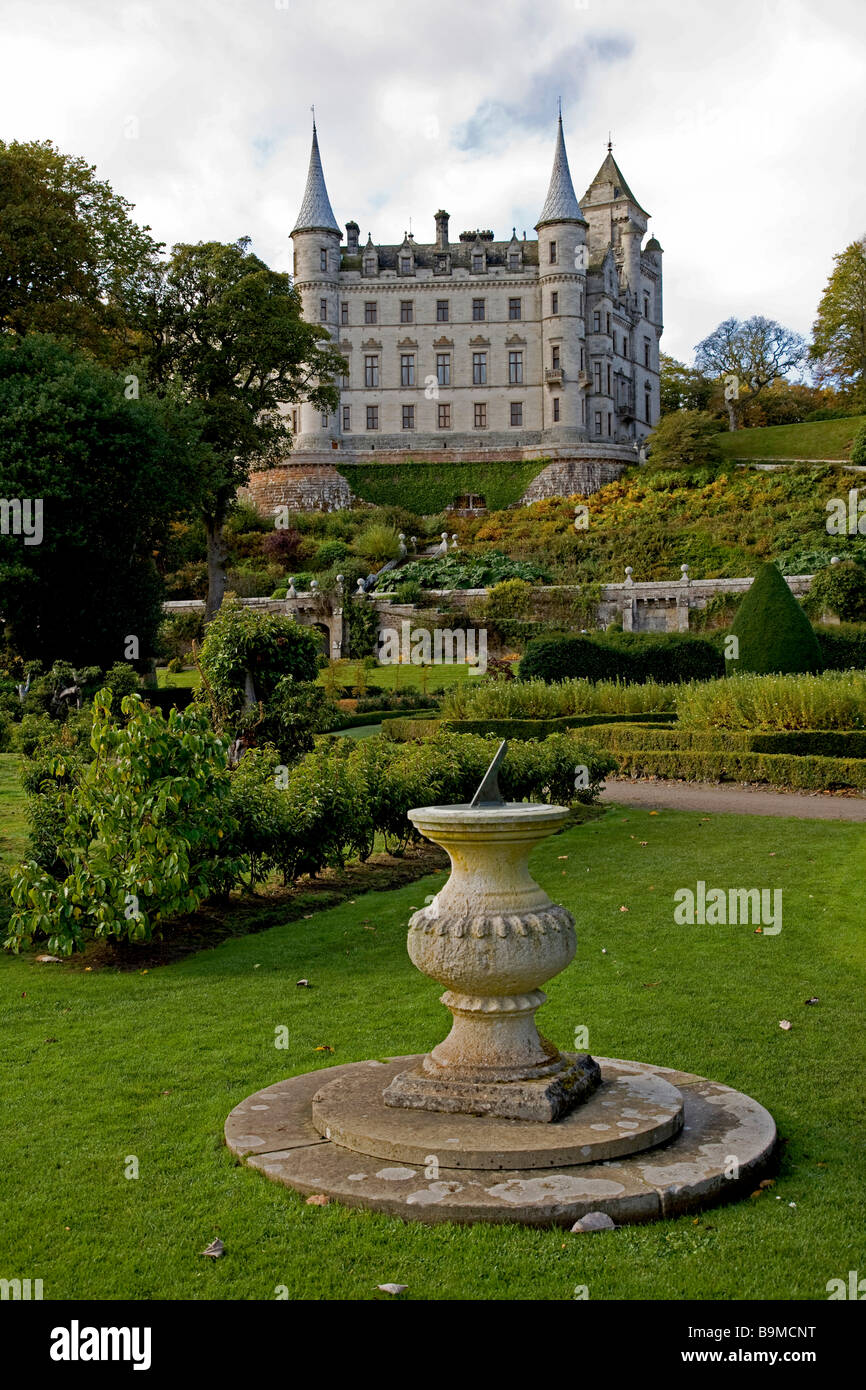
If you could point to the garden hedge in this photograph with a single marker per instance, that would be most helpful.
(633, 657)
(827, 743)
(777, 769)
(843, 647)
(402, 729)
(773, 633)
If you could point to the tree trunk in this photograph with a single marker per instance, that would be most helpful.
(732, 415)
(217, 554)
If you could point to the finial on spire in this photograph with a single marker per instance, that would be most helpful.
(609, 144)
(560, 108)
(313, 109)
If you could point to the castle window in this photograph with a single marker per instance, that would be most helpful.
(646, 352)
(347, 419)
(478, 310)
(371, 370)
(372, 417)
(479, 369)
(517, 412)
(608, 378)
(478, 261)
(607, 330)
(514, 309)
(554, 302)
(444, 417)
(407, 369)
(647, 401)
(581, 304)
(514, 260)
(296, 416)
(556, 408)
(406, 311)
(443, 368)
(323, 259)
(625, 345)
(646, 312)
(552, 256)
(583, 359)
(344, 381)
(596, 378)
(554, 358)
(323, 311)
(598, 422)
(344, 311)
(405, 265)
(583, 410)
(515, 368)
(324, 420)
(408, 417)
(609, 419)
(371, 311)
(596, 322)
(441, 310)
(480, 415)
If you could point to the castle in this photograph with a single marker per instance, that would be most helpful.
(482, 349)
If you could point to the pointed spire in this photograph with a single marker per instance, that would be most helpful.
(561, 203)
(316, 212)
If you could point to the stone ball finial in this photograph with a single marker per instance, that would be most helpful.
(314, 586)
(444, 535)
(684, 571)
(339, 581)
(628, 574)
(359, 584)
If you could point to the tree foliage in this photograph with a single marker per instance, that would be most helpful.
(750, 354)
(772, 631)
(685, 438)
(839, 330)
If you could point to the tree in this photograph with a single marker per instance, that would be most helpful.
(839, 331)
(72, 260)
(682, 387)
(684, 438)
(750, 354)
(97, 478)
(772, 631)
(841, 588)
(228, 332)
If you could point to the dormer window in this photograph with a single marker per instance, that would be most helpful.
(514, 260)
(405, 265)
(478, 260)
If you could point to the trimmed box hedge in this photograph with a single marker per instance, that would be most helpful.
(829, 743)
(630, 657)
(777, 769)
(511, 728)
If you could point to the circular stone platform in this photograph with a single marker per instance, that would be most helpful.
(650, 1143)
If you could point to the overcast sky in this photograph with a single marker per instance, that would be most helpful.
(739, 125)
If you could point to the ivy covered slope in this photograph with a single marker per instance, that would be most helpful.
(427, 488)
(721, 520)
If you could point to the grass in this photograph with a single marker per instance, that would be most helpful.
(165, 678)
(823, 439)
(102, 1066)
(13, 820)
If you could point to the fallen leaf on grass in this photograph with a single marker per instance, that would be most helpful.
(318, 1200)
(786, 1024)
(323, 1047)
(623, 909)
(767, 1182)
(214, 1250)
(393, 1288)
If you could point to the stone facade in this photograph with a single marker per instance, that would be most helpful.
(484, 348)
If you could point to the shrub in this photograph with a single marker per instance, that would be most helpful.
(685, 438)
(329, 554)
(834, 700)
(843, 646)
(408, 592)
(457, 571)
(536, 699)
(286, 547)
(841, 589)
(773, 632)
(777, 769)
(377, 543)
(176, 666)
(630, 657)
(858, 446)
(140, 831)
(178, 633)
(122, 679)
(510, 598)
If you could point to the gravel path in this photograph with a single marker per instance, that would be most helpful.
(741, 800)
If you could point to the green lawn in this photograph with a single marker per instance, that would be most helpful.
(165, 678)
(103, 1066)
(13, 821)
(404, 676)
(824, 439)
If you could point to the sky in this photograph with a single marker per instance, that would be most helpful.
(739, 126)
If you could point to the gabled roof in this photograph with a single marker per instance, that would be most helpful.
(561, 203)
(611, 173)
(316, 213)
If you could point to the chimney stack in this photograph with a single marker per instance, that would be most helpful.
(352, 230)
(442, 230)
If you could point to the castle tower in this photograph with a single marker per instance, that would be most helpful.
(316, 239)
(562, 263)
(616, 219)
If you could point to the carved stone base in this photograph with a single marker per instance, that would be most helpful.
(545, 1098)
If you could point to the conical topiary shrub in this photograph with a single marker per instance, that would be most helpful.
(773, 632)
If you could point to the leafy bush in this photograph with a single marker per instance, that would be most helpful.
(843, 646)
(287, 548)
(409, 592)
(176, 666)
(139, 831)
(329, 554)
(456, 571)
(510, 598)
(685, 438)
(377, 543)
(772, 630)
(841, 589)
(177, 634)
(833, 700)
(858, 446)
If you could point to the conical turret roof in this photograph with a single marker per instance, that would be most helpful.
(610, 173)
(561, 203)
(316, 213)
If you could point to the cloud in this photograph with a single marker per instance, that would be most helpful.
(740, 127)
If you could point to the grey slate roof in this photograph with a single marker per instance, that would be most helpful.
(561, 204)
(459, 251)
(316, 211)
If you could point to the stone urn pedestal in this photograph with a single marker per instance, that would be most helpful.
(492, 936)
